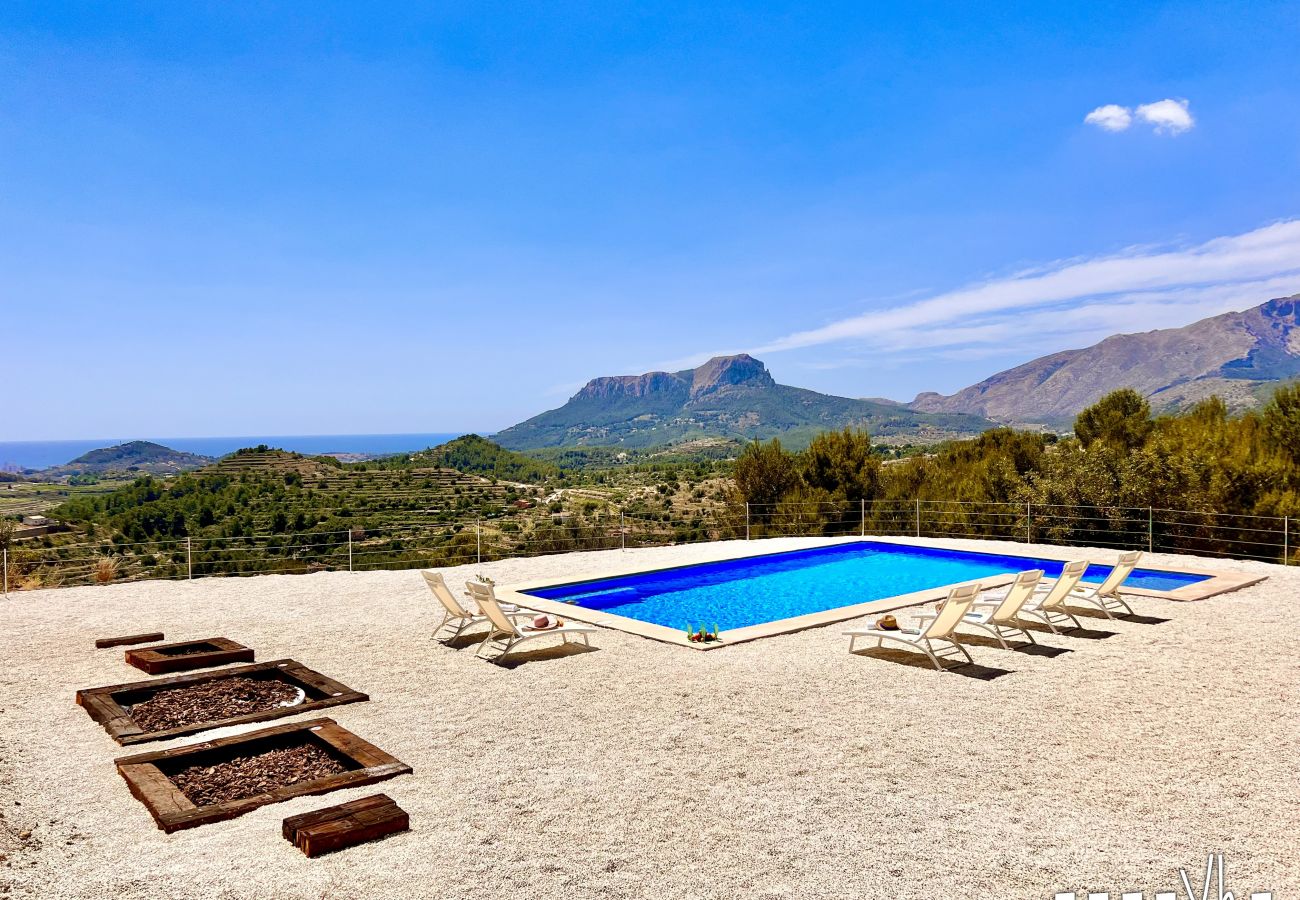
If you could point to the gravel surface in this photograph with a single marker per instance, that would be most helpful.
(246, 776)
(211, 701)
(785, 767)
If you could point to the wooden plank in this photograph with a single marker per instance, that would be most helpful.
(290, 826)
(350, 830)
(107, 705)
(350, 745)
(310, 678)
(125, 640)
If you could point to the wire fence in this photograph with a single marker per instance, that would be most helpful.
(421, 545)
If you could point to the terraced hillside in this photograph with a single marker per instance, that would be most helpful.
(265, 510)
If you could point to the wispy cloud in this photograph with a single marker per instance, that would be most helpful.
(1166, 116)
(1141, 288)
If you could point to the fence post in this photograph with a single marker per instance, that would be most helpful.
(349, 549)
(189, 556)
(863, 501)
(478, 542)
(1029, 522)
(747, 521)
(622, 531)
(1286, 545)
(1151, 531)
(6, 551)
(918, 516)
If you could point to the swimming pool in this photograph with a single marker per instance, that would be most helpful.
(737, 593)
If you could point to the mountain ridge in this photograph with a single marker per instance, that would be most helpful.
(1235, 355)
(727, 396)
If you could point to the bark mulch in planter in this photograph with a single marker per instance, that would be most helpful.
(163, 708)
(212, 701)
(248, 776)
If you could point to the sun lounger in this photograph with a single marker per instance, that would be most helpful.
(941, 629)
(1048, 606)
(457, 616)
(505, 634)
(1105, 596)
(1000, 617)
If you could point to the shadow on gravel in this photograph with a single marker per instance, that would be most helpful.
(1096, 616)
(1085, 633)
(470, 639)
(1088, 634)
(979, 640)
(559, 651)
(1042, 650)
(1142, 620)
(921, 661)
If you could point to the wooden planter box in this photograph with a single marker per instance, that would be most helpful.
(148, 775)
(109, 706)
(178, 657)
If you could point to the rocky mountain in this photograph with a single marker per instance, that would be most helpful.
(1238, 355)
(728, 396)
(142, 457)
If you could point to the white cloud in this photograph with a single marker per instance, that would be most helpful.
(1168, 116)
(1073, 302)
(1110, 117)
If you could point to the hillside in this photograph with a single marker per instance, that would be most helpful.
(729, 397)
(1238, 355)
(135, 457)
(477, 455)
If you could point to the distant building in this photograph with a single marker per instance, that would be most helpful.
(35, 526)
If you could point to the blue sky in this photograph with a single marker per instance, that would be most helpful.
(329, 218)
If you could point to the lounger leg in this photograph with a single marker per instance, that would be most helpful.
(1116, 601)
(492, 632)
(925, 646)
(995, 630)
(446, 617)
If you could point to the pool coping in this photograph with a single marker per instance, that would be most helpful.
(1219, 582)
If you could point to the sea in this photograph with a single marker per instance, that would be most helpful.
(43, 454)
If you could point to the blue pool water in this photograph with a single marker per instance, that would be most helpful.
(739, 592)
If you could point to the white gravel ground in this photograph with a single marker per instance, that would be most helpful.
(785, 767)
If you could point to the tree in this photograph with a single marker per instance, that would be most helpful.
(1282, 421)
(1120, 420)
(841, 462)
(765, 473)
